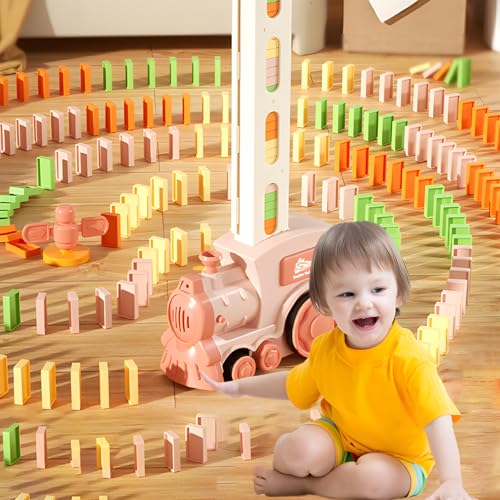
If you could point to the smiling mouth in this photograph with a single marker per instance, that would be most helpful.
(366, 322)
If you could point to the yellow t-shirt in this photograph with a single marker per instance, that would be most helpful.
(380, 398)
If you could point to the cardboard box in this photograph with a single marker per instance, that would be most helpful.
(429, 27)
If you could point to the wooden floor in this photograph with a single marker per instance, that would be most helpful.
(472, 368)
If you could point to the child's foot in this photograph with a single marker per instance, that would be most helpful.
(275, 484)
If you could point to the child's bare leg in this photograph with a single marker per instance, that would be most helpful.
(373, 476)
(309, 450)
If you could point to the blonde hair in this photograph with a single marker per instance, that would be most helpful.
(364, 243)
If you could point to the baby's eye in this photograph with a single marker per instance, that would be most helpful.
(379, 289)
(346, 294)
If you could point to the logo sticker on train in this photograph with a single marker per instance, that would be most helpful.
(296, 267)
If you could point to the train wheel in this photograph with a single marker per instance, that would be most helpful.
(268, 356)
(239, 364)
(303, 324)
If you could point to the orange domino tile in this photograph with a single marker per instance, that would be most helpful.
(4, 91)
(419, 189)
(110, 116)
(360, 158)
(477, 120)
(85, 79)
(43, 83)
(464, 120)
(64, 86)
(493, 196)
(273, 8)
(471, 172)
(147, 112)
(128, 114)
(10, 228)
(490, 121)
(486, 183)
(166, 107)
(496, 203)
(395, 176)
(22, 87)
(497, 135)
(478, 184)
(408, 182)
(441, 73)
(22, 249)
(7, 237)
(271, 126)
(496, 207)
(92, 119)
(377, 169)
(186, 109)
(342, 155)
(112, 238)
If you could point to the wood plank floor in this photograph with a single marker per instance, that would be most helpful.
(471, 369)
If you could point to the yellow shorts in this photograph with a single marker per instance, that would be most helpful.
(418, 477)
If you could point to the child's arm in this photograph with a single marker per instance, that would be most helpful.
(445, 450)
(271, 385)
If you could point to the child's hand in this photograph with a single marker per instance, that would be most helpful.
(450, 490)
(231, 388)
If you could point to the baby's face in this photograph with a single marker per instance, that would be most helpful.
(363, 303)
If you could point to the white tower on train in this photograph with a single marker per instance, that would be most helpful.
(261, 69)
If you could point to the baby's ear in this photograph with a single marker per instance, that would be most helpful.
(399, 301)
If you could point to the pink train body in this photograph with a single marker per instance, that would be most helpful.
(249, 312)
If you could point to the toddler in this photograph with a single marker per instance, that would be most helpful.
(386, 415)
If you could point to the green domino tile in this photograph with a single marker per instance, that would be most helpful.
(5, 222)
(338, 120)
(372, 209)
(7, 207)
(384, 218)
(5, 214)
(11, 445)
(355, 121)
(370, 125)
(10, 199)
(431, 191)
(217, 71)
(360, 202)
(445, 209)
(45, 173)
(459, 236)
(384, 129)
(449, 220)
(173, 71)
(398, 134)
(195, 70)
(27, 190)
(464, 72)
(129, 74)
(321, 114)
(394, 231)
(151, 70)
(451, 76)
(439, 199)
(107, 76)
(22, 195)
(11, 310)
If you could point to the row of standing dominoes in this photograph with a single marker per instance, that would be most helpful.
(18, 136)
(199, 437)
(48, 382)
(438, 154)
(458, 71)
(454, 110)
(64, 78)
(23, 137)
